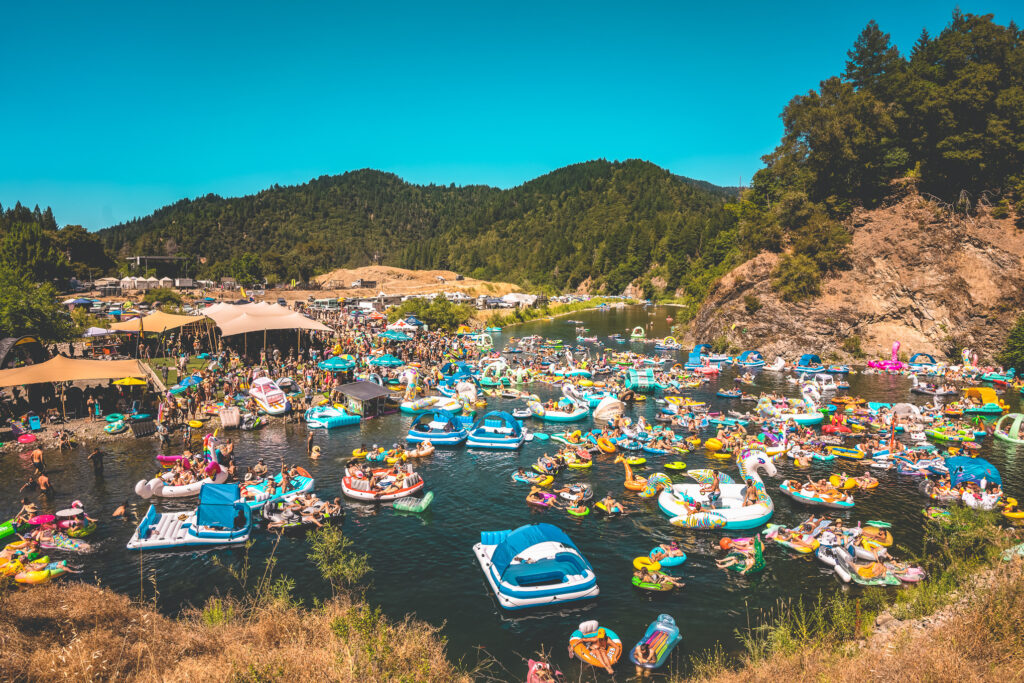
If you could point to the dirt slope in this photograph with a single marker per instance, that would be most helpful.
(402, 281)
(918, 276)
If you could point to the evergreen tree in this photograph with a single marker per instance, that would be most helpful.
(1012, 355)
(873, 61)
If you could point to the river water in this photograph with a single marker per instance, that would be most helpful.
(424, 565)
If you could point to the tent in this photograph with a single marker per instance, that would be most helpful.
(394, 335)
(962, 469)
(403, 326)
(64, 369)
(157, 322)
(259, 317)
(96, 332)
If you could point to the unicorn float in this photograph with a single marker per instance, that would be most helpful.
(891, 365)
(729, 512)
(803, 411)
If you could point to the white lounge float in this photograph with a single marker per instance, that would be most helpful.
(220, 519)
(534, 565)
(268, 396)
(161, 487)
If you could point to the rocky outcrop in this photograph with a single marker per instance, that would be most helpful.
(919, 275)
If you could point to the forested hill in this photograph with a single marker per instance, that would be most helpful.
(609, 221)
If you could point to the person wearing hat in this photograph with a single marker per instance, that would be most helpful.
(600, 647)
(259, 470)
(315, 453)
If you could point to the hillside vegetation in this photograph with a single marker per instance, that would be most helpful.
(947, 118)
(606, 223)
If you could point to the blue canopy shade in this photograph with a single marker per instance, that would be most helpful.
(190, 381)
(808, 359)
(387, 361)
(337, 364)
(395, 335)
(524, 537)
(922, 358)
(750, 356)
(413, 320)
(217, 505)
(963, 470)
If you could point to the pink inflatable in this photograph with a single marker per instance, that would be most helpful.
(891, 365)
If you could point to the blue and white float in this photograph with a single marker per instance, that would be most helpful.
(497, 430)
(220, 519)
(440, 428)
(534, 565)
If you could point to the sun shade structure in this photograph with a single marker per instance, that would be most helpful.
(259, 317)
(157, 322)
(64, 369)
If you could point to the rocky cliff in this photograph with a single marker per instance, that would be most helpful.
(921, 274)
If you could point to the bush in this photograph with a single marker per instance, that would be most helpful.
(797, 278)
(1000, 210)
(752, 304)
(1012, 355)
(720, 344)
(852, 346)
(162, 295)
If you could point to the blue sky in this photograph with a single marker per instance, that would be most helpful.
(113, 109)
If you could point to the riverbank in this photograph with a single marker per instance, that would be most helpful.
(525, 315)
(962, 623)
(80, 632)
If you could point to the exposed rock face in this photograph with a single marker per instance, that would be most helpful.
(918, 276)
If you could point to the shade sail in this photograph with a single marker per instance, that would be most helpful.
(157, 322)
(258, 317)
(64, 369)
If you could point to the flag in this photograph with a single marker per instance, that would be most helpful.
(242, 290)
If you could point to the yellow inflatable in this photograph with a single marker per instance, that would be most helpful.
(713, 444)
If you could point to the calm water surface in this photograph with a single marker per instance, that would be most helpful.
(424, 564)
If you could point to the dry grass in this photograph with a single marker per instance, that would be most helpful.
(979, 638)
(77, 632)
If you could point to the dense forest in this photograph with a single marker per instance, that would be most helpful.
(947, 119)
(601, 220)
(35, 259)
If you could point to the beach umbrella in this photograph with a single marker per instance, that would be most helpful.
(130, 382)
(189, 381)
(337, 364)
(387, 361)
(395, 335)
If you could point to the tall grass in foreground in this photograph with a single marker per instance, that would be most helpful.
(259, 632)
(831, 627)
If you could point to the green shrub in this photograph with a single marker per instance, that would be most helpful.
(217, 612)
(1000, 210)
(752, 304)
(1012, 355)
(797, 278)
(720, 344)
(852, 346)
(162, 295)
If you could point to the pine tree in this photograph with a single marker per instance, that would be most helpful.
(873, 60)
(1012, 355)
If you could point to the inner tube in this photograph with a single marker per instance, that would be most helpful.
(582, 511)
(195, 424)
(678, 465)
(27, 438)
(647, 586)
(644, 562)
